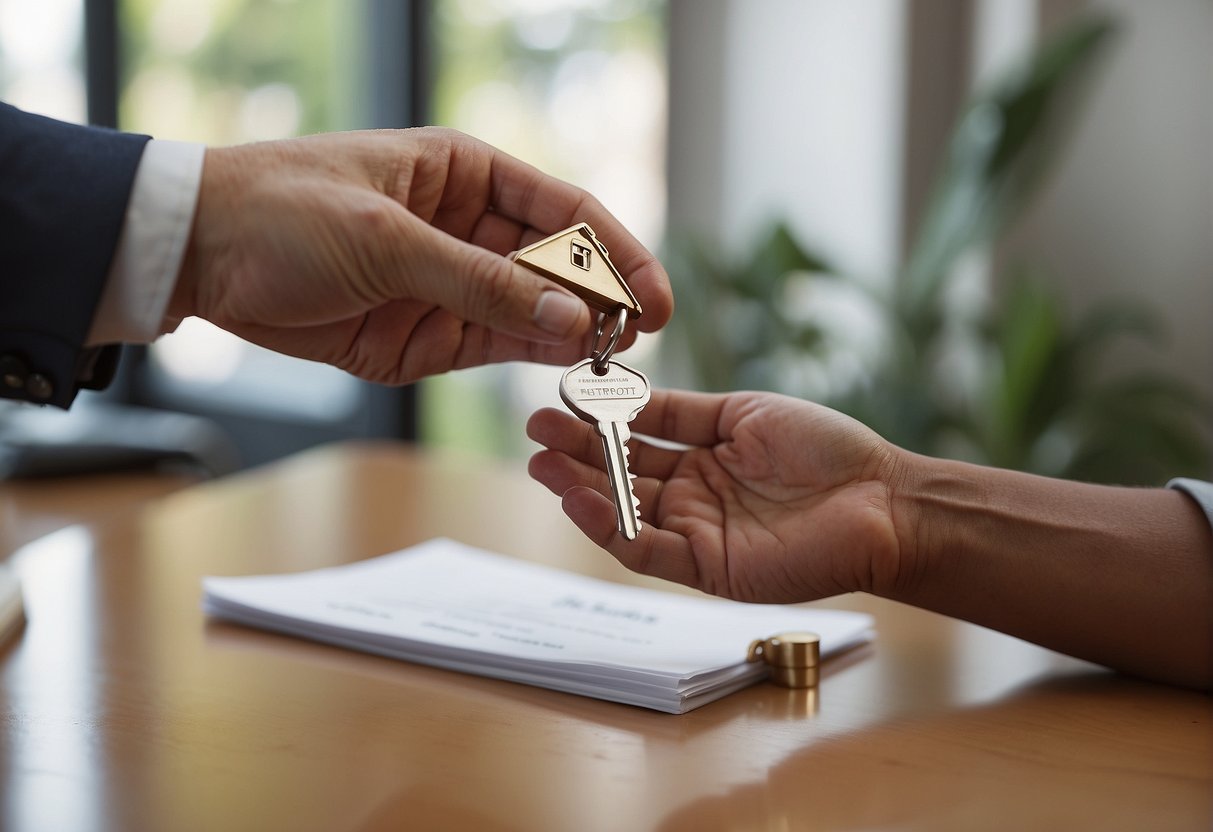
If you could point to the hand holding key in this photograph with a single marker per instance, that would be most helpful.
(384, 253)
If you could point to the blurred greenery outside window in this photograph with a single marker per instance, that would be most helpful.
(578, 89)
(225, 72)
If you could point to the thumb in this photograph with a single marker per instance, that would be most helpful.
(482, 287)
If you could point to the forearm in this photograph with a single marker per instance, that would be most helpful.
(1119, 576)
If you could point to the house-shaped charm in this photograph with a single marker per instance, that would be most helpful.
(575, 259)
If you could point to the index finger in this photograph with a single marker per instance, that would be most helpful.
(548, 205)
(656, 551)
(681, 416)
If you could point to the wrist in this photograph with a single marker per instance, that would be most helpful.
(182, 304)
(1075, 567)
(952, 518)
(183, 301)
(961, 523)
(935, 504)
(212, 207)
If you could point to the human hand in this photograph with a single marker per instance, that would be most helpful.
(776, 500)
(383, 253)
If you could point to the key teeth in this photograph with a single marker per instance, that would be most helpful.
(627, 452)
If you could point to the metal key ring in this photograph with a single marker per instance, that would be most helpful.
(602, 356)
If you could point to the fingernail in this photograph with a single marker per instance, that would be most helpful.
(557, 312)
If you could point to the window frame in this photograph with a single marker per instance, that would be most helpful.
(398, 83)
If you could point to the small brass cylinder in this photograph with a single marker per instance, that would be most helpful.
(791, 657)
(794, 677)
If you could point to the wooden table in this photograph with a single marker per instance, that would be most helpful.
(33, 508)
(125, 709)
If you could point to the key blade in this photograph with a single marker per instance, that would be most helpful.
(627, 509)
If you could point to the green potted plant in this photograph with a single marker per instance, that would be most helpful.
(1014, 382)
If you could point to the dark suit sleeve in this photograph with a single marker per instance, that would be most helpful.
(63, 195)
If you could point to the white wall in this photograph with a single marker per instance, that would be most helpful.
(796, 108)
(1131, 208)
(790, 108)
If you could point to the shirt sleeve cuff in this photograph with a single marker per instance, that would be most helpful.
(1201, 492)
(152, 246)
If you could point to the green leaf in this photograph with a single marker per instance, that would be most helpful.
(1109, 321)
(1004, 145)
(780, 255)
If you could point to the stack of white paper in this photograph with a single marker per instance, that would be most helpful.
(449, 605)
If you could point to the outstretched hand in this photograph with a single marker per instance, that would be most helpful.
(384, 253)
(773, 500)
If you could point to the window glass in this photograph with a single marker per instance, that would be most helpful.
(40, 57)
(578, 89)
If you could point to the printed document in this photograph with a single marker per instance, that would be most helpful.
(453, 606)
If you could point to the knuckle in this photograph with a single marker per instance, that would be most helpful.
(374, 217)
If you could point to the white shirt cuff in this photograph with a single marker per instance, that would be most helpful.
(1198, 490)
(152, 246)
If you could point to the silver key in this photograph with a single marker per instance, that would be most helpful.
(609, 402)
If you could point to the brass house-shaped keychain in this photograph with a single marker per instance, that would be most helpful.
(578, 261)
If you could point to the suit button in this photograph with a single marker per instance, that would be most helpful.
(12, 371)
(39, 386)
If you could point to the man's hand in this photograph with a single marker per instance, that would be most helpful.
(384, 253)
(775, 500)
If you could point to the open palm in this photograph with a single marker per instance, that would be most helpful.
(772, 499)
